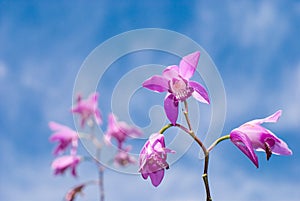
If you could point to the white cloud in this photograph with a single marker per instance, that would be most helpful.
(289, 96)
(257, 23)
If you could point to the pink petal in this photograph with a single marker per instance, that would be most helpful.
(171, 72)
(157, 137)
(156, 177)
(171, 108)
(56, 126)
(156, 83)
(281, 148)
(93, 99)
(145, 174)
(199, 93)
(242, 141)
(188, 65)
(277, 145)
(98, 117)
(112, 122)
(270, 119)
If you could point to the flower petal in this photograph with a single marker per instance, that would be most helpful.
(156, 177)
(56, 126)
(145, 175)
(242, 141)
(171, 72)
(199, 93)
(156, 83)
(171, 108)
(97, 116)
(93, 99)
(277, 146)
(270, 119)
(188, 65)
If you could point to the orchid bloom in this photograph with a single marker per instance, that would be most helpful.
(252, 136)
(119, 130)
(65, 137)
(176, 81)
(123, 158)
(70, 196)
(153, 158)
(61, 164)
(88, 109)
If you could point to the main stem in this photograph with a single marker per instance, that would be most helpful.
(100, 175)
(100, 167)
(101, 186)
(206, 153)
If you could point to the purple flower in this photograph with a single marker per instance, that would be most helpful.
(61, 164)
(123, 158)
(65, 136)
(153, 158)
(88, 109)
(252, 136)
(120, 131)
(175, 80)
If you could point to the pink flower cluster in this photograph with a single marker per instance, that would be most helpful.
(176, 82)
(66, 137)
(89, 114)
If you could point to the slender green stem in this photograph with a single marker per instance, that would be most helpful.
(100, 175)
(199, 142)
(165, 128)
(225, 137)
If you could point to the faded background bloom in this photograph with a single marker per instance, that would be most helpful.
(255, 45)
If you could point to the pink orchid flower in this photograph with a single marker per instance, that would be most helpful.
(123, 158)
(65, 136)
(88, 109)
(61, 164)
(176, 81)
(120, 131)
(153, 158)
(252, 136)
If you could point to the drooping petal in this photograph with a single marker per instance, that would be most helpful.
(156, 177)
(242, 141)
(188, 65)
(156, 83)
(145, 175)
(199, 93)
(171, 72)
(270, 119)
(281, 148)
(171, 108)
(277, 146)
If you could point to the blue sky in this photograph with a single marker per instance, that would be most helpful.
(254, 44)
